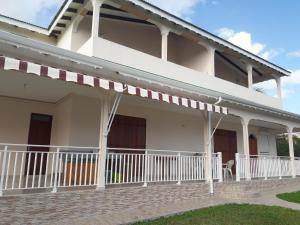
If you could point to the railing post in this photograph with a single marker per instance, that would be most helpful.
(146, 171)
(3, 170)
(293, 167)
(56, 171)
(220, 167)
(237, 168)
(279, 167)
(179, 168)
(265, 168)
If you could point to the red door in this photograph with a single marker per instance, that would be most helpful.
(252, 145)
(39, 134)
(127, 132)
(225, 141)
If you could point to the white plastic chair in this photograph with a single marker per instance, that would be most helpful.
(228, 169)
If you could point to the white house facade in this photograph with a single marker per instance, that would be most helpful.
(119, 92)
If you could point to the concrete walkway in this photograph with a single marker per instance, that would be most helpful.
(126, 205)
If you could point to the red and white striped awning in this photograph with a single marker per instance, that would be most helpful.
(8, 63)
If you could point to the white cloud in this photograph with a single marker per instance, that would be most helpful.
(27, 10)
(244, 40)
(294, 54)
(294, 78)
(182, 8)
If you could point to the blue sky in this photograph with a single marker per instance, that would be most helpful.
(268, 28)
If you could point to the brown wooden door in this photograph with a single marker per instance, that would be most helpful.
(127, 132)
(252, 145)
(39, 134)
(225, 141)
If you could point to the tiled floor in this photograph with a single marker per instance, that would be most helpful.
(124, 205)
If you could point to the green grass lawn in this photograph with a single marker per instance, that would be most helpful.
(233, 214)
(290, 197)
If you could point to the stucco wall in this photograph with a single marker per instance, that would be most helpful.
(187, 53)
(15, 118)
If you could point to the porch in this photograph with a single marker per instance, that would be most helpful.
(136, 136)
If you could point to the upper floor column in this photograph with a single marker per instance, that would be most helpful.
(165, 31)
(96, 18)
(211, 59)
(279, 87)
(249, 68)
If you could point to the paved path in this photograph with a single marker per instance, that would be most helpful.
(126, 205)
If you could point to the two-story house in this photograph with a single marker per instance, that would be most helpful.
(120, 91)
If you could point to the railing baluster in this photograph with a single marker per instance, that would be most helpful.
(86, 165)
(65, 169)
(7, 170)
(80, 173)
(3, 170)
(56, 171)
(96, 169)
(46, 172)
(41, 167)
(14, 172)
(91, 168)
(21, 170)
(71, 170)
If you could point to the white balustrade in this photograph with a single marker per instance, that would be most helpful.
(129, 166)
(265, 166)
(30, 167)
(42, 167)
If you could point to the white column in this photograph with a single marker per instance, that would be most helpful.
(211, 60)
(291, 150)
(279, 88)
(96, 18)
(250, 76)
(245, 124)
(164, 42)
(103, 141)
(208, 143)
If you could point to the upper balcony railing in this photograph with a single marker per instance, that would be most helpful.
(120, 54)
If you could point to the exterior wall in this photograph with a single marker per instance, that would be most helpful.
(188, 53)
(167, 130)
(15, 118)
(126, 56)
(77, 122)
(142, 37)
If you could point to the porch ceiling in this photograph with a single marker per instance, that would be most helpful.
(15, 84)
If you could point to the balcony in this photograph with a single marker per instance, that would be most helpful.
(120, 54)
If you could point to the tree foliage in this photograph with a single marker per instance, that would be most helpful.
(283, 146)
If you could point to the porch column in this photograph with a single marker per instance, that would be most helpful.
(103, 141)
(279, 87)
(95, 21)
(245, 124)
(208, 149)
(291, 150)
(164, 42)
(250, 76)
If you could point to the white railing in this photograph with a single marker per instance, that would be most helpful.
(265, 166)
(127, 166)
(41, 167)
